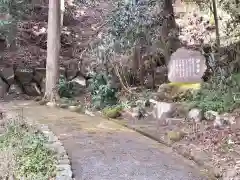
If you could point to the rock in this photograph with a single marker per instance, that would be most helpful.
(32, 89)
(186, 66)
(62, 167)
(74, 108)
(24, 75)
(80, 80)
(195, 115)
(210, 115)
(113, 113)
(15, 89)
(3, 88)
(228, 119)
(64, 106)
(39, 74)
(51, 104)
(64, 161)
(175, 135)
(162, 110)
(217, 122)
(164, 88)
(7, 74)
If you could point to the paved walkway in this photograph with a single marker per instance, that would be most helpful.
(103, 150)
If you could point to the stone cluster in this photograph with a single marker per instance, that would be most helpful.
(29, 81)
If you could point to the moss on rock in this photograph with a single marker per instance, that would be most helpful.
(175, 135)
(112, 112)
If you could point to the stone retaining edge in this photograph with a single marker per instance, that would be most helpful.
(64, 169)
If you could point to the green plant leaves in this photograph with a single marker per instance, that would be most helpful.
(218, 95)
(33, 159)
(102, 93)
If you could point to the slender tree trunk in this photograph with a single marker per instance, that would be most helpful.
(53, 50)
(169, 32)
(215, 14)
(62, 11)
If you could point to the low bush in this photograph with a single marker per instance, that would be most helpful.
(218, 94)
(102, 92)
(24, 151)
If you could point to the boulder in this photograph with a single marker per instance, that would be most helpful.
(24, 75)
(15, 89)
(7, 74)
(163, 91)
(164, 88)
(210, 115)
(195, 114)
(176, 91)
(32, 89)
(162, 110)
(186, 66)
(75, 108)
(79, 84)
(39, 74)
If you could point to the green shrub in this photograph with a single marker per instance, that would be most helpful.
(33, 159)
(217, 95)
(103, 94)
(66, 88)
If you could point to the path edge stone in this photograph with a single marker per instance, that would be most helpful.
(63, 167)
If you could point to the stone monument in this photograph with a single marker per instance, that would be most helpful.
(186, 66)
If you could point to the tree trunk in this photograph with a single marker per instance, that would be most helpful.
(53, 50)
(215, 14)
(169, 32)
(62, 10)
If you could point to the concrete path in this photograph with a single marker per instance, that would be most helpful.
(103, 150)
